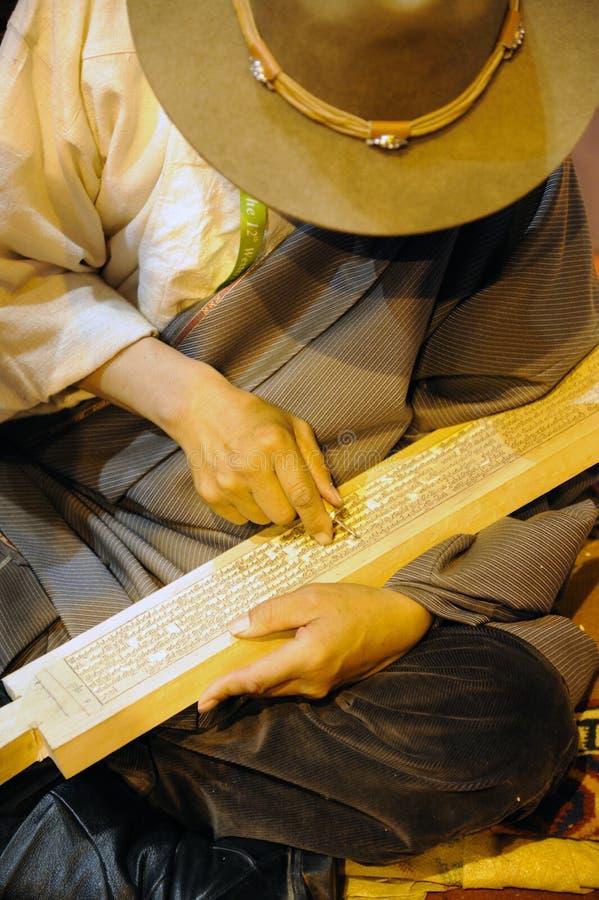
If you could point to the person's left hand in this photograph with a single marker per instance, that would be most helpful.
(344, 633)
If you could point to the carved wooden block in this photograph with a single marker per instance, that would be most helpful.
(123, 677)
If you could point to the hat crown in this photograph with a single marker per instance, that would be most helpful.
(381, 59)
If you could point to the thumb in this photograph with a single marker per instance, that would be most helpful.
(273, 615)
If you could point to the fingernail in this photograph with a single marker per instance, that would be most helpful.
(337, 495)
(240, 625)
(207, 705)
(323, 538)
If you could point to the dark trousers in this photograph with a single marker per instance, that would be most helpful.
(472, 726)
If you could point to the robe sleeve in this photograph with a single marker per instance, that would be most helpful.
(511, 571)
(59, 320)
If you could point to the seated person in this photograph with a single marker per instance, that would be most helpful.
(378, 280)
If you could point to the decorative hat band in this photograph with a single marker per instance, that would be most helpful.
(387, 135)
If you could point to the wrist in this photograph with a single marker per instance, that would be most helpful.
(155, 381)
(408, 618)
(191, 397)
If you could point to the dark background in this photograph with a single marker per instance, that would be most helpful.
(6, 7)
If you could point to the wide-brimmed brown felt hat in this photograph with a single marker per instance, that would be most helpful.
(390, 69)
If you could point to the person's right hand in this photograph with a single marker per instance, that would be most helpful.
(250, 460)
(253, 461)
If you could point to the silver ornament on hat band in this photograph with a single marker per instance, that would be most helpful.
(382, 134)
(257, 70)
(387, 142)
(517, 41)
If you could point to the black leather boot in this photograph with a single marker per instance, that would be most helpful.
(92, 838)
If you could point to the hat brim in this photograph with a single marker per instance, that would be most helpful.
(526, 123)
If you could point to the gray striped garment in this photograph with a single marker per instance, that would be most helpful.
(367, 339)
